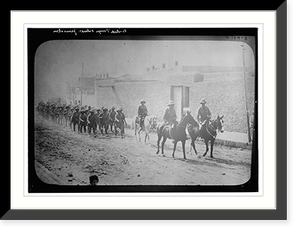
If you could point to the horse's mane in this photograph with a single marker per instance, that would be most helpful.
(184, 118)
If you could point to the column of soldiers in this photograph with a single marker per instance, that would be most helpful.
(85, 119)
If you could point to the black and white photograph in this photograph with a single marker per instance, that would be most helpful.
(128, 109)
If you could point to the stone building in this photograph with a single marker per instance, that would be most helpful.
(222, 87)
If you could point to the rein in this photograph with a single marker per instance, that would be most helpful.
(212, 128)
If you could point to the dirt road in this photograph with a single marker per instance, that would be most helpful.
(66, 157)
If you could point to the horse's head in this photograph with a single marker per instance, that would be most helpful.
(153, 120)
(188, 119)
(219, 123)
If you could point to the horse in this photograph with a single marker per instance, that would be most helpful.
(150, 122)
(208, 132)
(176, 132)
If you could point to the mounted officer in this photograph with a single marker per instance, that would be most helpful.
(142, 113)
(203, 114)
(170, 114)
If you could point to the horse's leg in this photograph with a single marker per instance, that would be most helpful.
(163, 144)
(147, 136)
(174, 148)
(106, 128)
(158, 141)
(211, 147)
(193, 145)
(139, 133)
(206, 143)
(183, 149)
(135, 131)
(121, 130)
(116, 131)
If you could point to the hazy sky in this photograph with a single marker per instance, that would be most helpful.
(60, 61)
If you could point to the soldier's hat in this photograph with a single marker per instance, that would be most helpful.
(171, 103)
(120, 109)
(143, 101)
(94, 178)
(113, 107)
(203, 101)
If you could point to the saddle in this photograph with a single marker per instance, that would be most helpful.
(140, 121)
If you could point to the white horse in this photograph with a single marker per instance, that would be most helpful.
(150, 122)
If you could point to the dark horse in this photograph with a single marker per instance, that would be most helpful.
(176, 132)
(208, 132)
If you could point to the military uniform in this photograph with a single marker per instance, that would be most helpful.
(92, 124)
(82, 121)
(142, 113)
(170, 114)
(120, 121)
(203, 112)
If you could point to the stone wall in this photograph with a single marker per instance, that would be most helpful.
(224, 97)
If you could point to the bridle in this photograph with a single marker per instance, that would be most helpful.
(212, 128)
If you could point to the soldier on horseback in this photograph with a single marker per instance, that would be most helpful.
(170, 114)
(203, 113)
(142, 113)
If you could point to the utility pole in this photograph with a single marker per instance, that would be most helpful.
(245, 81)
(81, 88)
